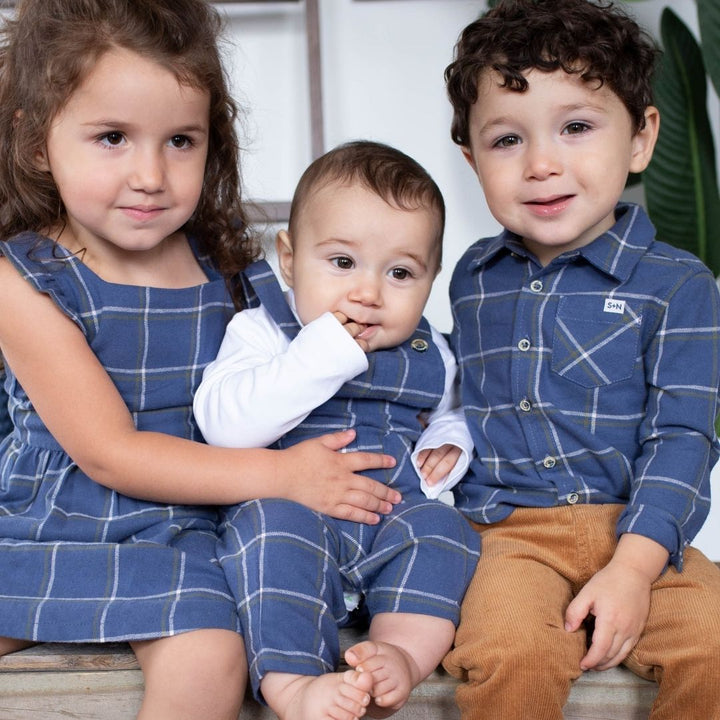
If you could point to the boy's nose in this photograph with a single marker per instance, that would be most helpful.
(542, 161)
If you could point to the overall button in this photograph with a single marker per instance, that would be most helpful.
(549, 462)
(419, 345)
(536, 286)
(573, 498)
(525, 405)
(524, 345)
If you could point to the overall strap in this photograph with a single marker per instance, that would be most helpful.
(261, 284)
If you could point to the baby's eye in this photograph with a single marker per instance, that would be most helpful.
(576, 128)
(342, 262)
(181, 142)
(112, 139)
(400, 273)
(507, 141)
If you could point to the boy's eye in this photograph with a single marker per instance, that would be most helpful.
(507, 141)
(180, 141)
(113, 138)
(400, 273)
(344, 263)
(575, 128)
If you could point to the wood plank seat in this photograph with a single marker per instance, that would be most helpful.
(93, 682)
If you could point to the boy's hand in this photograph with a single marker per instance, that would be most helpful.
(435, 464)
(319, 477)
(619, 598)
(353, 328)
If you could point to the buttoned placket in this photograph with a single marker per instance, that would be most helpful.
(525, 366)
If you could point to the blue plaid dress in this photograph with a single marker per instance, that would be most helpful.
(81, 562)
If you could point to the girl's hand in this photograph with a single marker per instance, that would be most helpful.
(319, 477)
(353, 328)
(435, 464)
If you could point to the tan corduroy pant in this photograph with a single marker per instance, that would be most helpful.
(513, 653)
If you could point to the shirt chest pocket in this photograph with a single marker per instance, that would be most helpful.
(595, 340)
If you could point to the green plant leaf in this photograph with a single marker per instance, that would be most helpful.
(709, 20)
(681, 181)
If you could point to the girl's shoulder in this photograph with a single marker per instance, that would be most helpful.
(34, 255)
(48, 268)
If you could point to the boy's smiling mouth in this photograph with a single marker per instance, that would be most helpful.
(550, 205)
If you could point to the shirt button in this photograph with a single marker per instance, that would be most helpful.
(549, 462)
(536, 286)
(573, 498)
(524, 345)
(525, 405)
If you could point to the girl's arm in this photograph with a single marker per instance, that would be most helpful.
(81, 407)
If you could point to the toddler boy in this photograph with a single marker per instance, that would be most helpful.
(589, 357)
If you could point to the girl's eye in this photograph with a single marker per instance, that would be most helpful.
(112, 139)
(507, 141)
(344, 263)
(180, 141)
(575, 128)
(400, 273)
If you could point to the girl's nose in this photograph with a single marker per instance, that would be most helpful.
(147, 173)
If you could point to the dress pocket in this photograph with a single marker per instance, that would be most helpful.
(595, 340)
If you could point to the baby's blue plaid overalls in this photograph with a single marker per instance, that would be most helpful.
(289, 566)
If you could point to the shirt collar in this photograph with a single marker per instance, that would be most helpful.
(615, 252)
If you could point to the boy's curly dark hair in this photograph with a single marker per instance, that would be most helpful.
(596, 40)
(46, 52)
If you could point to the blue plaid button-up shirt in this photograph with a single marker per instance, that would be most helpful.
(591, 380)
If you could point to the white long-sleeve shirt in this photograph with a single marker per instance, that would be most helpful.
(262, 385)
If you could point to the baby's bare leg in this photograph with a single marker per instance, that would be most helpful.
(333, 696)
(403, 649)
(198, 674)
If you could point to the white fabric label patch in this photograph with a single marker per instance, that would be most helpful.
(614, 306)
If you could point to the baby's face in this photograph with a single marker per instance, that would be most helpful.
(354, 253)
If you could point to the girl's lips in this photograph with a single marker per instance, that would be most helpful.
(142, 213)
(548, 207)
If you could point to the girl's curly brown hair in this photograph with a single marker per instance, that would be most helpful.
(596, 40)
(46, 52)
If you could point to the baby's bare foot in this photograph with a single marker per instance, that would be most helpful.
(393, 673)
(335, 696)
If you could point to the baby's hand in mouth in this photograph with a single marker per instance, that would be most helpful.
(354, 328)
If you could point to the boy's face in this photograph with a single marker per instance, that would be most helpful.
(354, 253)
(553, 160)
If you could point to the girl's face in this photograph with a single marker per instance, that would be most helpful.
(127, 153)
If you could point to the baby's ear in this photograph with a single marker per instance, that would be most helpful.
(643, 142)
(284, 249)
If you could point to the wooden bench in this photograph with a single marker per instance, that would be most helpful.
(103, 682)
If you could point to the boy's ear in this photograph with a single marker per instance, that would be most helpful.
(284, 249)
(467, 154)
(643, 142)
